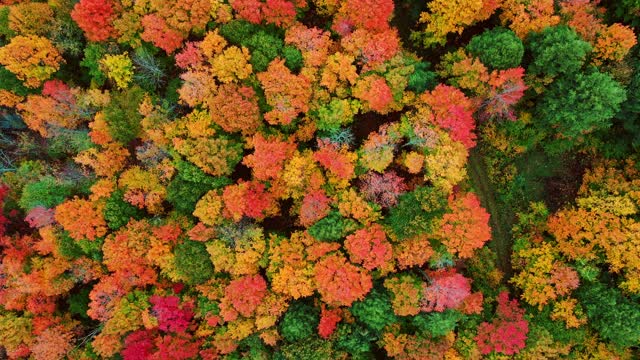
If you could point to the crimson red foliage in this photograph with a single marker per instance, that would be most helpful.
(508, 331)
(138, 346)
(171, 316)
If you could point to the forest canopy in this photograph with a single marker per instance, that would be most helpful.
(319, 179)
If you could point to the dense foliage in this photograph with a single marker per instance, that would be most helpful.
(319, 179)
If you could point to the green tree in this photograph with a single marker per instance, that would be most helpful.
(375, 310)
(47, 192)
(299, 322)
(437, 323)
(497, 48)
(122, 116)
(614, 316)
(332, 227)
(577, 105)
(192, 262)
(118, 212)
(557, 50)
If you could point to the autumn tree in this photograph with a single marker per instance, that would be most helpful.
(525, 17)
(82, 219)
(364, 14)
(33, 59)
(369, 247)
(466, 228)
(95, 18)
(375, 94)
(31, 18)
(508, 331)
(383, 189)
(286, 93)
(268, 159)
(445, 17)
(340, 283)
(451, 110)
(446, 290)
(235, 109)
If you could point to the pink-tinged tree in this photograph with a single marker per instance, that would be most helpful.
(37, 217)
(95, 18)
(340, 283)
(171, 315)
(507, 88)
(447, 290)
(508, 331)
(190, 56)
(315, 206)
(383, 189)
(369, 247)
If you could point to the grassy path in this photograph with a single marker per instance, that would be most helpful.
(501, 219)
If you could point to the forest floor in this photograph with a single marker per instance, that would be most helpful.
(501, 219)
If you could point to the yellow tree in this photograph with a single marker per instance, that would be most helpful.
(33, 59)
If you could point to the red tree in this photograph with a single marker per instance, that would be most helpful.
(369, 247)
(95, 17)
(171, 316)
(508, 331)
(315, 206)
(138, 345)
(372, 15)
(269, 156)
(452, 111)
(242, 296)
(507, 88)
(329, 319)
